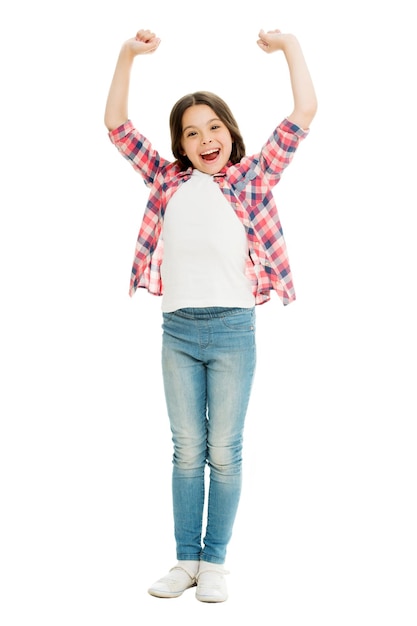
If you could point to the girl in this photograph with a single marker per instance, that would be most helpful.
(211, 244)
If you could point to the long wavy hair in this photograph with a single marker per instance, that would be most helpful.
(223, 113)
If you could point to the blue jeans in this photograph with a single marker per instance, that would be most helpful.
(208, 363)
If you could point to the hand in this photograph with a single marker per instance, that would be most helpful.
(273, 40)
(145, 42)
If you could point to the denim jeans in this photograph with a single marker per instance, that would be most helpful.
(208, 363)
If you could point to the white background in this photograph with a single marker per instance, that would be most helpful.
(326, 531)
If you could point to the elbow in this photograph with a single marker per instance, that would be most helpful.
(110, 122)
(310, 113)
(303, 116)
(113, 119)
(313, 108)
(309, 109)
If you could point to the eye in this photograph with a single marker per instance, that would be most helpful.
(215, 126)
(191, 133)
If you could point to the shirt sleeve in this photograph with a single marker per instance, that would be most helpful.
(279, 150)
(138, 150)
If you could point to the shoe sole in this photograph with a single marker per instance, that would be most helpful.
(210, 598)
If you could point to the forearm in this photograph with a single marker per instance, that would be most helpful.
(116, 112)
(304, 96)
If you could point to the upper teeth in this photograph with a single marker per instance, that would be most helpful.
(210, 151)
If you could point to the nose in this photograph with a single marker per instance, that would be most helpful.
(206, 140)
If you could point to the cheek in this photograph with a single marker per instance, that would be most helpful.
(184, 147)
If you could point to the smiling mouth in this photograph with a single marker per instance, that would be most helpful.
(210, 155)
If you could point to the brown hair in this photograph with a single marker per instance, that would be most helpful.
(221, 110)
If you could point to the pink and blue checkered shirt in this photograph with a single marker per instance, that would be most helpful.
(247, 186)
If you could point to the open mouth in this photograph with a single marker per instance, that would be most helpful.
(210, 155)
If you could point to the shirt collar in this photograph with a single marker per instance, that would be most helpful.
(189, 171)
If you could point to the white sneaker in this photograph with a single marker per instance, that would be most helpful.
(173, 584)
(211, 583)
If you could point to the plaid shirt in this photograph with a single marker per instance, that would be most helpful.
(246, 185)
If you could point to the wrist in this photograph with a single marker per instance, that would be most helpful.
(127, 53)
(290, 41)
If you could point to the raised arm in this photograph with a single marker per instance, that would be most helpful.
(304, 95)
(116, 112)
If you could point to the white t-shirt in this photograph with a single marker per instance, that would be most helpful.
(205, 249)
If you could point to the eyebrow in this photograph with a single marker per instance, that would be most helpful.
(215, 119)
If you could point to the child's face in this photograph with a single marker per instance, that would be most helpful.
(206, 140)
